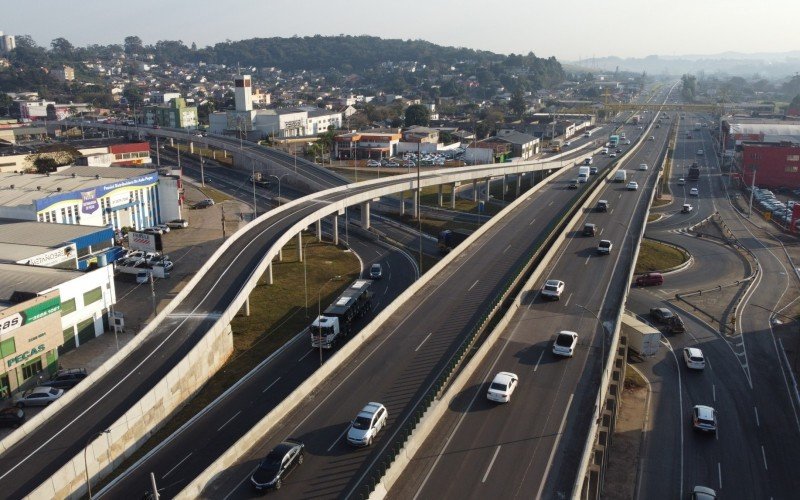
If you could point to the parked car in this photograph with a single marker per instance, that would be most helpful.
(376, 271)
(704, 418)
(38, 396)
(178, 223)
(12, 417)
(565, 343)
(373, 163)
(163, 227)
(208, 202)
(165, 263)
(153, 230)
(650, 279)
(278, 464)
(502, 387)
(66, 379)
(553, 289)
(633, 186)
(694, 359)
(367, 424)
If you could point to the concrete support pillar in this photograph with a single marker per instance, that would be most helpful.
(504, 187)
(475, 191)
(486, 195)
(439, 197)
(402, 203)
(280, 254)
(191, 147)
(269, 274)
(453, 196)
(416, 204)
(247, 306)
(319, 230)
(335, 229)
(300, 247)
(365, 216)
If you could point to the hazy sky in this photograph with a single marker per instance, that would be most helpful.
(569, 31)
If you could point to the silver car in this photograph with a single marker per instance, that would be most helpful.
(38, 396)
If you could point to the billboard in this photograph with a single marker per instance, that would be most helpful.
(144, 241)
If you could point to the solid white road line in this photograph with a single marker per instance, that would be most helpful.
(423, 341)
(338, 438)
(270, 385)
(488, 469)
(764, 456)
(507, 249)
(719, 470)
(555, 445)
(183, 460)
(758, 424)
(229, 420)
(473, 285)
(714, 392)
(538, 361)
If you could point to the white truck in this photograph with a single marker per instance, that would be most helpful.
(337, 320)
(642, 338)
(621, 176)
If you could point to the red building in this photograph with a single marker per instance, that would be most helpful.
(130, 154)
(776, 165)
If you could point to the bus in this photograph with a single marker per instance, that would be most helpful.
(613, 141)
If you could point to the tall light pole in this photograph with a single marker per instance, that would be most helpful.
(86, 461)
(319, 313)
(253, 182)
(279, 185)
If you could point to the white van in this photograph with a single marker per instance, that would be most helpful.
(621, 176)
(584, 171)
(583, 178)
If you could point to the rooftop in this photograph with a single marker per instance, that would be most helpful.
(16, 278)
(43, 234)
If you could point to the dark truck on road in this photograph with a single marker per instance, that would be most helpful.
(449, 238)
(694, 172)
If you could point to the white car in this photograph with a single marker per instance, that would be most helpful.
(694, 358)
(643, 166)
(687, 208)
(700, 152)
(502, 387)
(178, 223)
(604, 247)
(704, 418)
(565, 343)
(163, 227)
(694, 192)
(369, 421)
(552, 289)
(633, 186)
(373, 163)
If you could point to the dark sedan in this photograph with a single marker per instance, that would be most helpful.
(278, 464)
(12, 417)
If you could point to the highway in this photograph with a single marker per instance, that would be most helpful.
(421, 333)
(531, 447)
(745, 378)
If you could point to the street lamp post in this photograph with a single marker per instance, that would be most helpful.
(319, 314)
(279, 185)
(86, 461)
(253, 182)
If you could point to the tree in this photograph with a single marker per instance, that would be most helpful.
(517, 103)
(417, 114)
(62, 48)
(133, 45)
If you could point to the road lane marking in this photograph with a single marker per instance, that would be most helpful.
(488, 469)
(229, 420)
(338, 438)
(538, 361)
(566, 304)
(714, 392)
(586, 262)
(305, 355)
(719, 470)
(176, 466)
(507, 249)
(532, 221)
(550, 204)
(764, 455)
(270, 385)
(473, 285)
(758, 424)
(601, 232)
(423, 341)
(555, 445)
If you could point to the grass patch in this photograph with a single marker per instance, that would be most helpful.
(634, 380)
(215, 194)
(660, 203)
(653, 217)
(655, 256)
(277, 313)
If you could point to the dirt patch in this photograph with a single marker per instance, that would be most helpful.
(620, 477)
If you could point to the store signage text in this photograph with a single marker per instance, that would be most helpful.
(25, 355)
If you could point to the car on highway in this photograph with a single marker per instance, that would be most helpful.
(643, 166)
(66, 379)
(694, 192)
(367, 424)
(665, 316)
(279, 463)
(612, 155)
(38, 396)
(502, 387)
(553, 289)
(592, 170)
(703, 493)
(376, 271)
(687, 208)
(602, 206)
(681, 181)
(650, 279)
(565, 343)
(704, 419)
(700, 152)
(633, 186)
(573, 184)
(589, 229)
(604, 247)
(652, 138)
(178, 223)
(627, 142)
(694, 359)
(12, 417)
